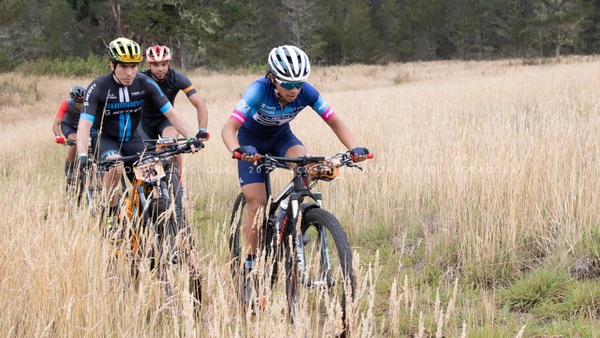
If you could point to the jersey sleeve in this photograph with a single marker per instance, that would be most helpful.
(185, 85)
(62, 109)
(317, 102)
(91, 102)
(250, 102)
(156, 96)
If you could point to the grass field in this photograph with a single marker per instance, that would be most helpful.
(478, 216)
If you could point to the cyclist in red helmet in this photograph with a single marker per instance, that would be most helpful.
(65, 125)
(171, 82)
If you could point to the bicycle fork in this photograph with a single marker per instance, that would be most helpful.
(324, 278)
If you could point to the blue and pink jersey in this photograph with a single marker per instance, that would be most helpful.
(260, 112)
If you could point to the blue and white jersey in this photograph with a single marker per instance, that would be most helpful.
(259, 110)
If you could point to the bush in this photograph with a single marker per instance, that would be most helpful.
(92, 66)
(542, 285)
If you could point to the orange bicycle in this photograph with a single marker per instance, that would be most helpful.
(156, 231)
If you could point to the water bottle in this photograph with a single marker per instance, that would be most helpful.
(281, 213)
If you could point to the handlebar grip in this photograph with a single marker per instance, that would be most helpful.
(369, 156)
(238, 156)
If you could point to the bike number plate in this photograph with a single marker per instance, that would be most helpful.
(149, 172)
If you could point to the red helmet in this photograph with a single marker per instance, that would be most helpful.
(158, 53)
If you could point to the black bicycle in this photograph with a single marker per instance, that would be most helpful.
(149, 216)
(299, 232)
(87, 183)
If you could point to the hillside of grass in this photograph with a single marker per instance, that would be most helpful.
(478, 216)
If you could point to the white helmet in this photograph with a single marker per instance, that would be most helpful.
(289, 63)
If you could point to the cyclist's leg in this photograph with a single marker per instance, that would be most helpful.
(108, 148)
(252, 181)
(148, 129)
(289, 145)
(133, 146)
(256, 198)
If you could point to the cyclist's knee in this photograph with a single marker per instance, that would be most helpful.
(253, 203)
(296, 151)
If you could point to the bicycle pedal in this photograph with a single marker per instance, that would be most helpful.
(175, 259)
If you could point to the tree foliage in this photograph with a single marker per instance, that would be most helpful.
(239, 33)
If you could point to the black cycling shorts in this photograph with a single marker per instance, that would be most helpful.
(107, 146)
(67, 129)
(151, 128)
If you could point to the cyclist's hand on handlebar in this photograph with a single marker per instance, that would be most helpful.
(195, 144)
(246, 153)
(359, 154)
(83, 162)
(60, 140)
(203, 134)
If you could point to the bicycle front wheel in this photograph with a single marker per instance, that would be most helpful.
(325, 264)
(166, 229)
(94, 191)
(75, 189)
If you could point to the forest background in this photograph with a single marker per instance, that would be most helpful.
(238, 33)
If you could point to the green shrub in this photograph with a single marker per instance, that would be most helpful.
(540, 286)
(92, 66)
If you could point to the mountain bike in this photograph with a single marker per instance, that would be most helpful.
(299, 232)
(148, 214)
(87, 182)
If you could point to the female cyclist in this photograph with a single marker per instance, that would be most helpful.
(260, 124)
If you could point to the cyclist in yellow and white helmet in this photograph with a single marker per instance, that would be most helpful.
(123, 50)
(112, 109)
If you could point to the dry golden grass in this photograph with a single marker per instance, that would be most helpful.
(483, 170)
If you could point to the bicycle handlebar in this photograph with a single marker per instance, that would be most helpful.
(166, 151)
(345, 159)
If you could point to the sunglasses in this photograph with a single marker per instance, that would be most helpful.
(289, 85)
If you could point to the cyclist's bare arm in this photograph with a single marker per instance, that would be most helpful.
(342, 132)
(179, 123)
(83, 136)
(56, 127)
(229, 134)
(201, 110)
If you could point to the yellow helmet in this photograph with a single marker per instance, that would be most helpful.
(123, 50)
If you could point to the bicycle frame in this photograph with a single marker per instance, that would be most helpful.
(149, 186)
(297, 190)
(309, 240)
